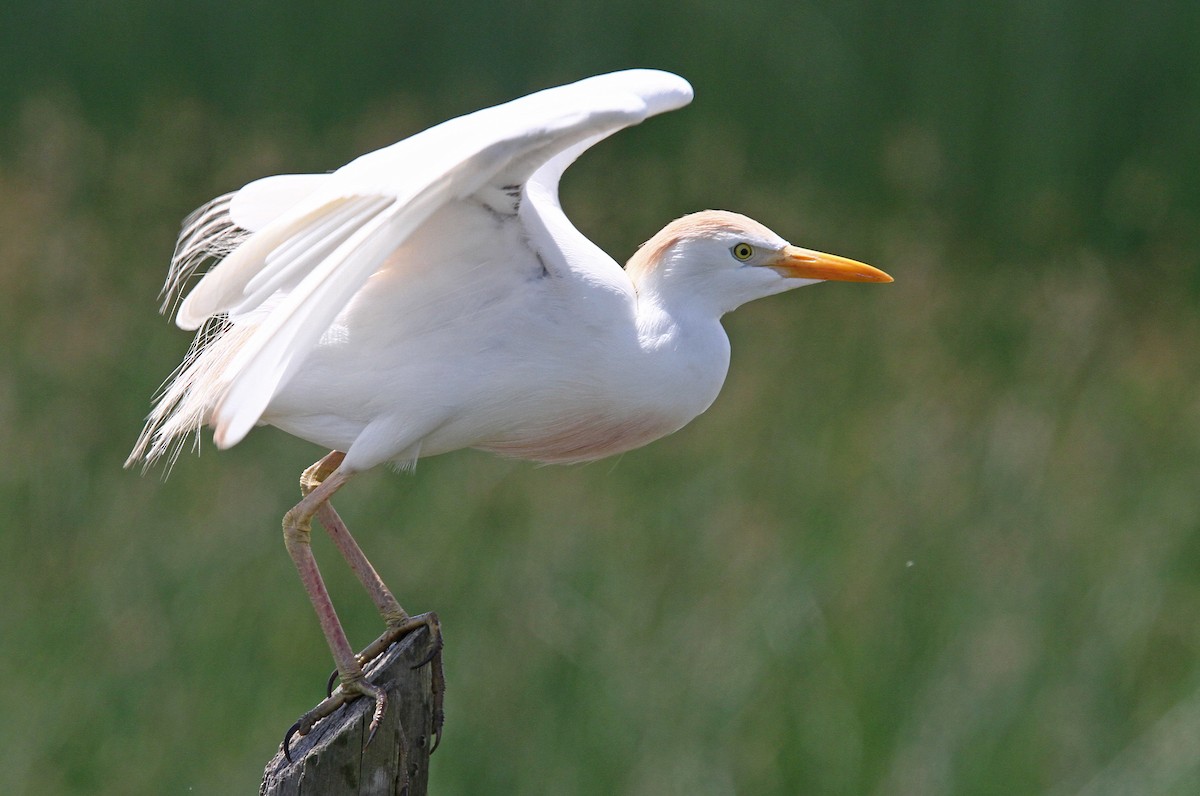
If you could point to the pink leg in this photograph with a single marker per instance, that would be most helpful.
(318, 484)
(297, 536)
(384, 601)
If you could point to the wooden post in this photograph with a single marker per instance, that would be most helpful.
(331, 760)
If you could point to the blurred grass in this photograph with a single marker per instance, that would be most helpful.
(938, 537)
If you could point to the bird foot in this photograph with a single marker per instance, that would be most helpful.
(348, 691)
(351, 689)
(399, 629)
(437, 678)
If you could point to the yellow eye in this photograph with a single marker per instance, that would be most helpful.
(743, 251)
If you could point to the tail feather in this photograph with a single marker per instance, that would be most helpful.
(178, 411)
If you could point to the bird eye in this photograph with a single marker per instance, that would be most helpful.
(743, 251)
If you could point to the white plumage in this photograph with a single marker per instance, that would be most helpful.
(432, 295)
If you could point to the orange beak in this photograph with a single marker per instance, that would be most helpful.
(796, 263)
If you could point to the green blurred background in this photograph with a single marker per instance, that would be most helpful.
(938, 537)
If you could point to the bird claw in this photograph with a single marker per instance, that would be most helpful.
(347, 692)
(358, 686)
(433, 659)
(287, 741)
(437, 678)
(435, 648)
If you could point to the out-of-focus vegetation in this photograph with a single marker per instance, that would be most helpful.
(936, 537)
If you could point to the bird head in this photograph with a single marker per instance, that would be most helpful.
(717, 260)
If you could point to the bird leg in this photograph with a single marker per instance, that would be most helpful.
(399, 623)
(384, 601)
(317, 484)
(297, 536)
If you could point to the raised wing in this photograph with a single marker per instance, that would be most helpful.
(305, 244)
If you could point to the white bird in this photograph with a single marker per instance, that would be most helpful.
(433, 295)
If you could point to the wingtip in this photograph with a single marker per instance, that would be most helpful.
(676, 92)
(238, 411)
(187, 320)
(658, 89)
(225, 437)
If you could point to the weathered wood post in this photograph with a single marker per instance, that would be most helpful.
(331, 760)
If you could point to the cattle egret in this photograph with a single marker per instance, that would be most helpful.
(433, 295)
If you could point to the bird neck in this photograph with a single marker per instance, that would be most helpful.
(678, 326)
(663, 293)
(683, 356)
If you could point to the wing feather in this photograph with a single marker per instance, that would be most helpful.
(263, 201)
(308, 243)
(286, 265)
